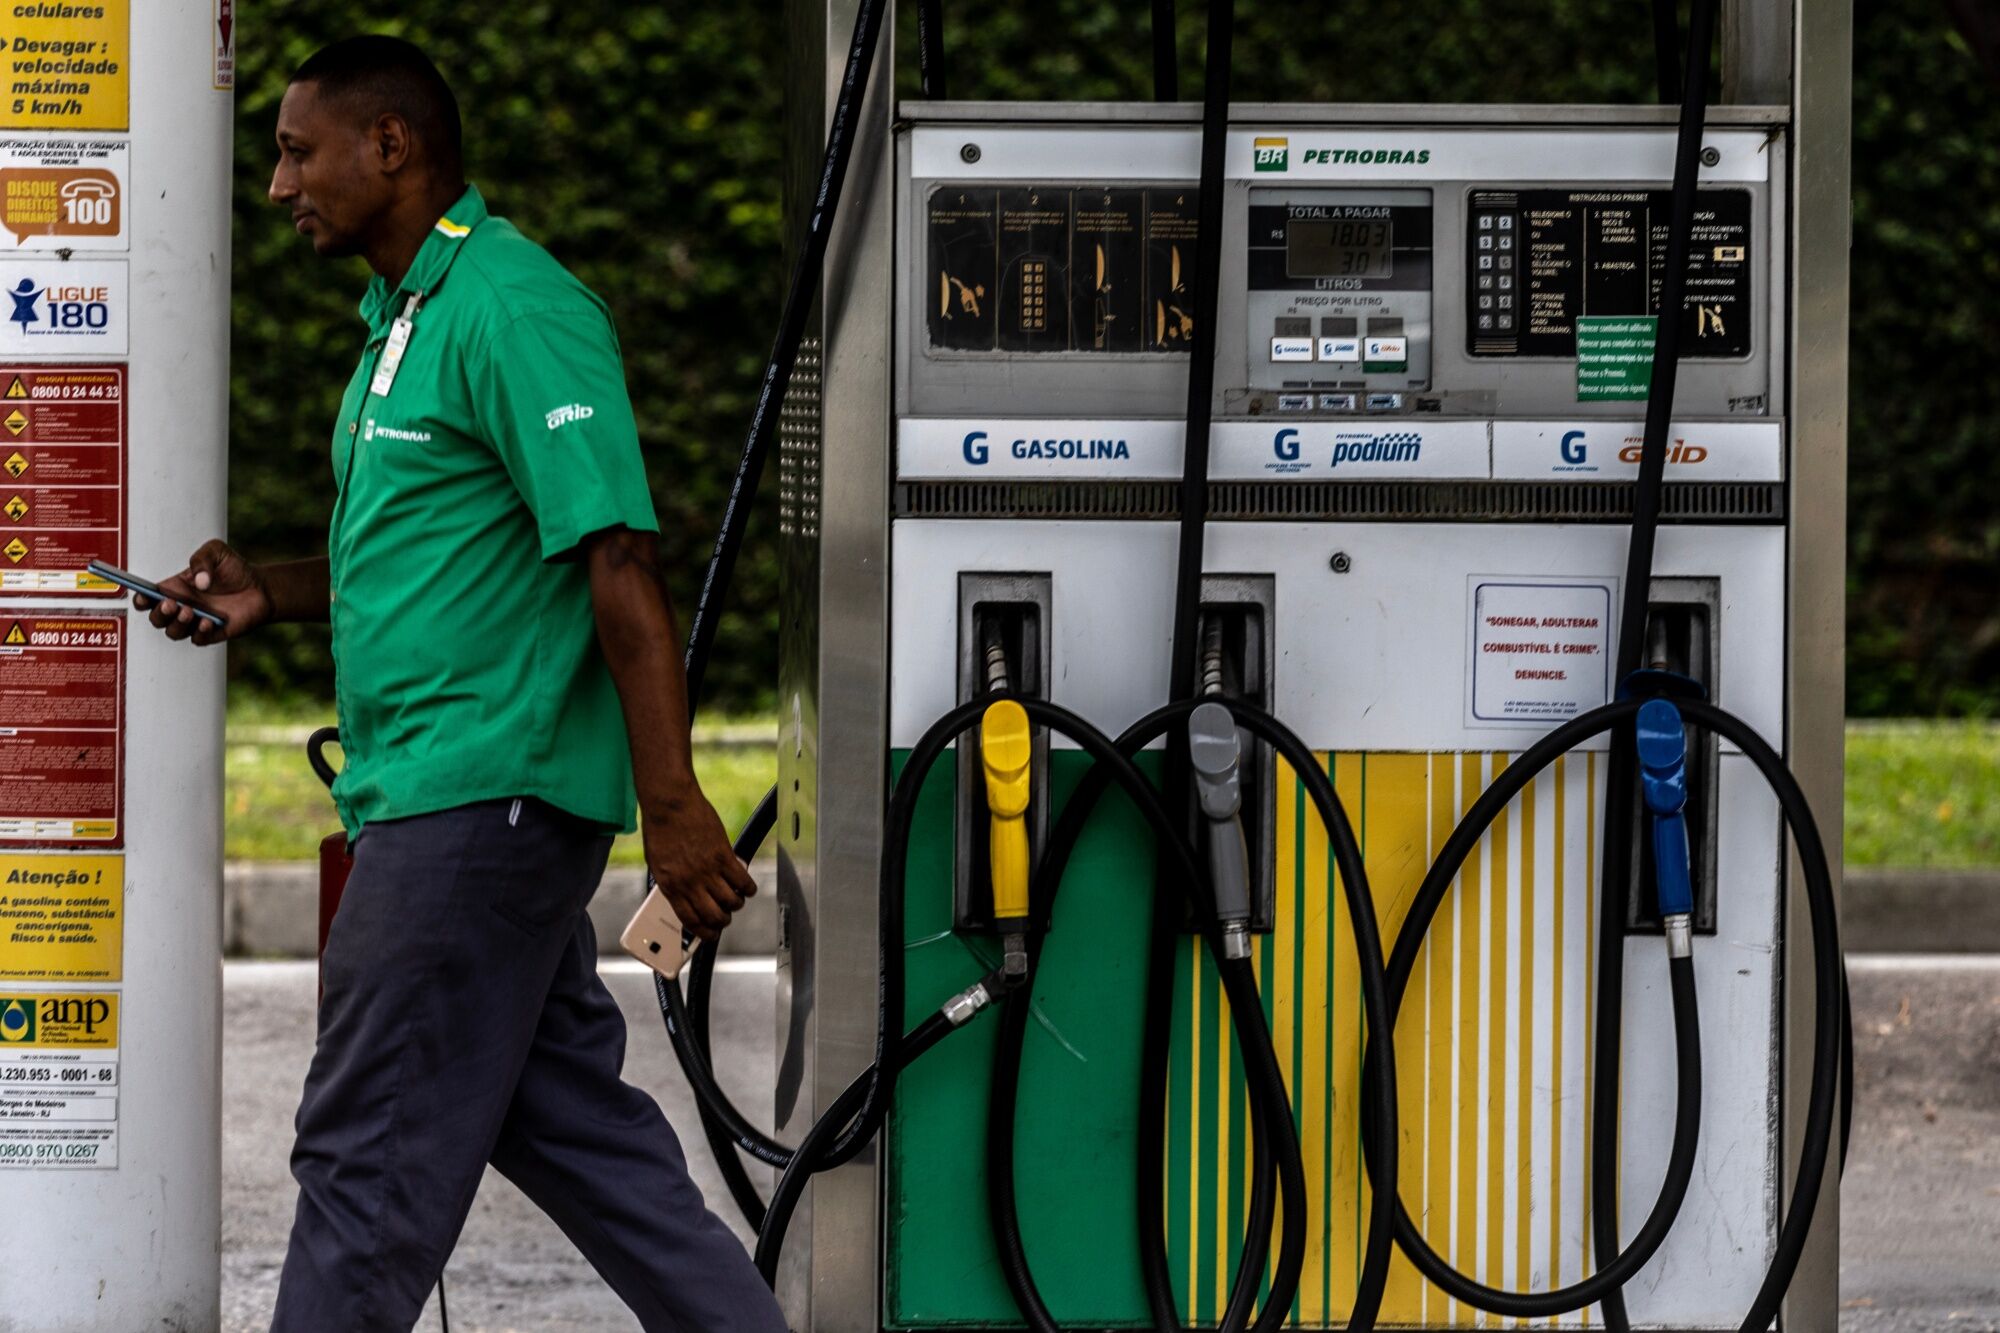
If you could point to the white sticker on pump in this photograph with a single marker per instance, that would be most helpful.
(1540, 649)
(1609, 450)
(929, 448)
(1387, 447)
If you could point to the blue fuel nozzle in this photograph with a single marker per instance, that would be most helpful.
(1662, 744)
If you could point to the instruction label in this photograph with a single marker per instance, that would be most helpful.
(1614, 357)
(62, 698)
(62, 917)
(68, 65)
(62, 476)
(1541, 649)
(64, 193)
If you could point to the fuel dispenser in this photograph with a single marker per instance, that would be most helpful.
(1508, 444)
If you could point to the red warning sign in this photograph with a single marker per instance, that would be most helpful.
(62, 734)
(62, 476)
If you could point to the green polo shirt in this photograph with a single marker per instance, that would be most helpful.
(465, 653)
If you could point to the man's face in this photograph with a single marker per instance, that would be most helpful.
(329, 172)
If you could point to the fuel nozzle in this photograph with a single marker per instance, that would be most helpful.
(1006, 749)
(1216, 754)
(1662, 746)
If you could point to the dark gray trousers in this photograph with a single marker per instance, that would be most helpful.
(464, 1023)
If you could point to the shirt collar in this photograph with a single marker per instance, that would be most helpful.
(434, 259)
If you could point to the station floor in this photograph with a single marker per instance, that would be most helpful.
(1920, 1215)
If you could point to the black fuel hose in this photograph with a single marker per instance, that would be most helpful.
(1381, 1119)
(1274, 1132)
(1620, 818)
(1166, 62)
(930, 49)
(800, 295)
(801, 292)
(1823, 1098)
(852, 1121)
(688, 1028)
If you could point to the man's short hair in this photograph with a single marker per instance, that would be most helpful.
(381, 75)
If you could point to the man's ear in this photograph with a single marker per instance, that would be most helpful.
(389, 139)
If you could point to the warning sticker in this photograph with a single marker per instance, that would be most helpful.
(68, 66)
(223, 35)
(74, 308)
(1541, 649)
(62, 476)
(62, 918)
(62, 700)
(63, 193)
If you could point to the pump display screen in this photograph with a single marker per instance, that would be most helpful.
(1339, 248)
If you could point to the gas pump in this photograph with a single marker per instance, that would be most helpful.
(1432, 447)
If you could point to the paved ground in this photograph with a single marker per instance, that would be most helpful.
(1921, 1216)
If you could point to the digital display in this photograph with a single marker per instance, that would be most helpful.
(1339, 248)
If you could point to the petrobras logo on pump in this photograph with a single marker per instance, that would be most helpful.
(80, 306)
(1696, 451)
(1270, 154)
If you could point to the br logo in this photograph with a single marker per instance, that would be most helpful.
(17, 1020)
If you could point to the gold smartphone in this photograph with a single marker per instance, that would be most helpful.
(656, 937)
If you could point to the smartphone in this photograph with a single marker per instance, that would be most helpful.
(656, 937)
(134, 583)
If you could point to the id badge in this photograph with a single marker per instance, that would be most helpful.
(392, 354)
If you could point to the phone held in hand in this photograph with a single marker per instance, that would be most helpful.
(656, 937)
(133, 583)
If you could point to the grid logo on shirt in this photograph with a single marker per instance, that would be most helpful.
(562, 416)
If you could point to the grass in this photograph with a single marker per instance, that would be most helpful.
(1923, 794)
(1919, 793)
(277, 810)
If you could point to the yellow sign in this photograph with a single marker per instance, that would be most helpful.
(16, 464)
(68, 66)
(17, 550)
(14, 636)
(71, 1021)
(17, 389)
(62, 918)
(17, 421)
(17, 509)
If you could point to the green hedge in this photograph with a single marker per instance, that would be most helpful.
(642, 144)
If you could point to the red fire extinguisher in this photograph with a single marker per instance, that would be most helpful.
(334, 861)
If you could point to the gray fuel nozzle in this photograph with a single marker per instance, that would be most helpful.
(1216, 754)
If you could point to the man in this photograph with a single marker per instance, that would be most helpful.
(509, 685)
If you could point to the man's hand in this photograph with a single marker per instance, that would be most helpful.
(223, 582)
(692, 862)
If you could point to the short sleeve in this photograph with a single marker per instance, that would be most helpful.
(550, 389)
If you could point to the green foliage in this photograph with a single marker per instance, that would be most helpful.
(1923, 794)
(642, 145)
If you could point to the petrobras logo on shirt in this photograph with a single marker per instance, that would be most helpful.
(371, 430)
(562, 416)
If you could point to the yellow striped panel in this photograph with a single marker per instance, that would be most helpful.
(1495, 1129)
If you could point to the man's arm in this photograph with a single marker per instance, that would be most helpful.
(248, 595)
(687, 848)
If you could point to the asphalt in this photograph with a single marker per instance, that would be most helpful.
(1920, 1205)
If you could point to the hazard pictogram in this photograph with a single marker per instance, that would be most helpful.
(17, 389)
(16, 550)
(17, 421)
(16, 464)
(17, 509)
(15, 638)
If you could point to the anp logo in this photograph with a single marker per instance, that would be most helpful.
(1270, 154)
(17, 1020)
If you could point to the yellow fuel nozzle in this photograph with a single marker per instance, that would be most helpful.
(1005, 748)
